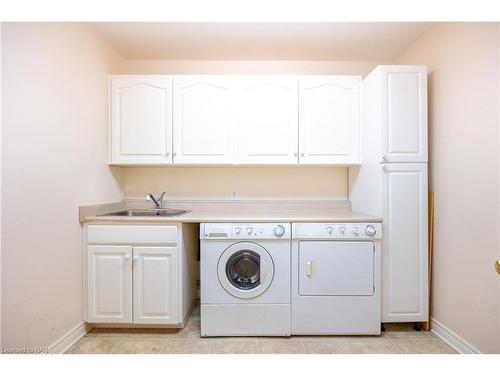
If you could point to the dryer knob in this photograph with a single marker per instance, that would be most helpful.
(237, 230)
(279, 231)
(249, 230)
(370, 230)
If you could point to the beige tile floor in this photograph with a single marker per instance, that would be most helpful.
(398, 338)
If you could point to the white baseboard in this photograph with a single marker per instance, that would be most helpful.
(452, 339)
(69, 338)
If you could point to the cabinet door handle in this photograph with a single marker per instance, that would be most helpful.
(309, 268)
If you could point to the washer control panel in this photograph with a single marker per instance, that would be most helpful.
(245, 231)
(337, 231)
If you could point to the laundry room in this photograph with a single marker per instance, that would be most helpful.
(250, 187)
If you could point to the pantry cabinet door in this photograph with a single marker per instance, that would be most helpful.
(205, 120)
(329, 119)
(141, 120)
(155, 285)
(404, 114)
(268, 120)
(109, 284)
(404, 245)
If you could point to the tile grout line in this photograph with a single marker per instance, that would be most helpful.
(118, 344)
(394, 344)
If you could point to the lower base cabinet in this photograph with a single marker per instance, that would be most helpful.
(155, 285)
(138, 284)
(109, 284)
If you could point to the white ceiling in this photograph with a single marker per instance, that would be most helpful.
(371, 41)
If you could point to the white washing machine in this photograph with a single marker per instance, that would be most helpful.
(336, 278)
(245, 279)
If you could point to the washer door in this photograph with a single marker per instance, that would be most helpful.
(245, 270)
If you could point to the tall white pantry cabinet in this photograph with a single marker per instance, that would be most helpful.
(392, 183)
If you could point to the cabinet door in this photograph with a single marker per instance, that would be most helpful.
(109, 284)
(268, 121)
(155, 285)
(204, 120)
(329, 120)
(404, 114)
(141, 120)
(404, 251)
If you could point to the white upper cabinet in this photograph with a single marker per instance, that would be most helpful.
(268, 120)
(140, 120)
(217, 120)
(205, 120)
(329, 119)
(404, 113)
(155, 285)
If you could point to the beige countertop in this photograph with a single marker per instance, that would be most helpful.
(233, 211)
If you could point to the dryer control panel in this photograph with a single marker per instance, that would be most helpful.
(234, 231)
(337, 231)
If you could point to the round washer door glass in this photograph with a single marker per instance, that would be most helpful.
(245, 270)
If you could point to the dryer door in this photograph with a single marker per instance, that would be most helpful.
(336, 268)
(245, 270)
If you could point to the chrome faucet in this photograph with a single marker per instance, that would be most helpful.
(157, 201)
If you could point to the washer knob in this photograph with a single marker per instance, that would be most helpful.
(237, 230)
(279, 231)
(370, 230)
(355, 230)
(342, 230)
(249, 230)
(329, 230)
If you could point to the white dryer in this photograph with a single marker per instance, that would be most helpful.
(245, 279)
(336, 278)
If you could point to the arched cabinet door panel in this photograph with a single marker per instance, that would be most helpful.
(205, 120)
(140, 120)
(329, 120)
(268, 120)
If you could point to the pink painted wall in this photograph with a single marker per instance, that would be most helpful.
(463, 63)
(54, 151)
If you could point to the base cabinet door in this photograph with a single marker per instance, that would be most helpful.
(109, 283)
(155, 285)
(404, 251)
(329, 120)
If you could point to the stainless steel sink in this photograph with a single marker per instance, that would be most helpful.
(147, 212)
